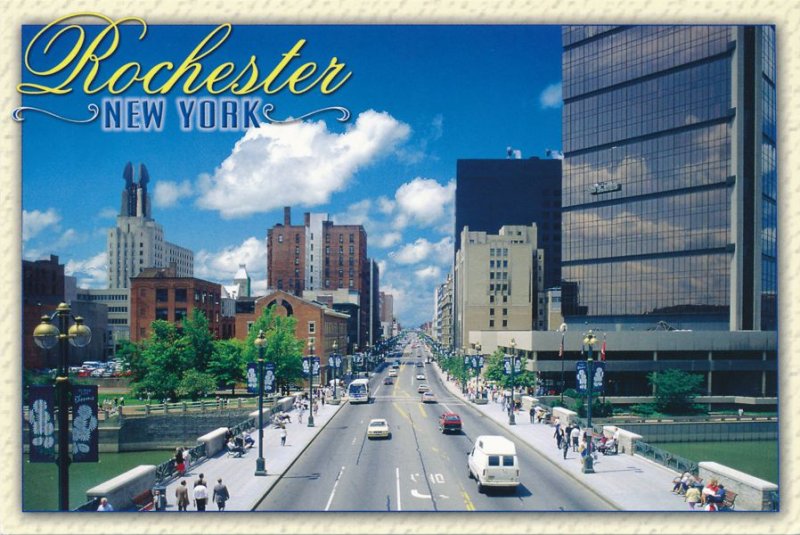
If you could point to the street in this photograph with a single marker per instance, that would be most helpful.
(418, 468)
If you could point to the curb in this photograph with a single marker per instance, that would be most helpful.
(289, 467)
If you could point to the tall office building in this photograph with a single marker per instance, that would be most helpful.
(669, 181)
(137, 242)
(491, 193)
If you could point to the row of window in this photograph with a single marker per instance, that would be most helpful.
(504, 323)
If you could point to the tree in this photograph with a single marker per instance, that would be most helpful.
(198, 334)
(165, 357)
(227, 365)
(495, 371)
(195, 384)
(282, 349)
(131, 356)
(675, 390)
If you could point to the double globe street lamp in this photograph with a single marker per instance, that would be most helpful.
(335, 362)
(589, 340)
(46, 335)
(512, 364)
(261, 343)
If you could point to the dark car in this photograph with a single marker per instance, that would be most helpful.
(450, 422)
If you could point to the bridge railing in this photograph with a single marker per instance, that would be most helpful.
(665, 458)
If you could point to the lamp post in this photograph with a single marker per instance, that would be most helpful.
(563, 329)
(511, 419)
(310, 383)
(336, 361)
(588, 464)
(479, 362)
(260, 342)
(46, 335)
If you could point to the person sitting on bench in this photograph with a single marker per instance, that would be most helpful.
(249, 442)
(238, 451)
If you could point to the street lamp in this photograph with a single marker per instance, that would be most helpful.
(310, 383)
(336, 361)
(511, 419)
(479, 361)
(261, 343)
(589, 340)
(563, 329)
(46, 335)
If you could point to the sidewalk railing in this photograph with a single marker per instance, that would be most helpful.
(665, 458)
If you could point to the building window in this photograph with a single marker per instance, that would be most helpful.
(327, 249)
(341, 238)
(180, 314)
(505, 263)
(296, 250)
(505, 299)
(312, 327)
(250, 325)
(161, 295)
(505, 323)
(162, 314)
(505, 312)
(491, 299)
(280, 238)
(280, 284)
(352, 249)
(491, 312)
(491, 275)
(296, 261)
(491, 323)
(352, 238)
(352, 283)
(180, 295)
(327, 283)
(297, 238)
(491, 263)
(327, 238)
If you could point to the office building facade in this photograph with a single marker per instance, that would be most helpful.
(669, 208)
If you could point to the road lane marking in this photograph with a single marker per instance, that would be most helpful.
(399, 503)
(422, 410)
(333, 492)
(470, 506)
(415, 493)
(354, 440)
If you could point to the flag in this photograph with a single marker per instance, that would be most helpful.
(603, 351)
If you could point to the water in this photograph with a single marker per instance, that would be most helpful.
(758, 458)
(40, 480)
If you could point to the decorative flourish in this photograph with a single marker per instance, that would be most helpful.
(344, 117)
(94, 109)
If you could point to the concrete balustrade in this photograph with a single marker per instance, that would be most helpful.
(626, 438)
(121, 490)
(565, 416)
(214, 441)
(752, 493)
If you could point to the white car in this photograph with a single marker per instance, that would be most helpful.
(421, 376)
(422, 388)
(378, 428)
(428, 397)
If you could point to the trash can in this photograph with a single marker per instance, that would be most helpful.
(160, 498)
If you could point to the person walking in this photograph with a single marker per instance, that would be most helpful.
(565, 448)
(283, 435)
(201, 481)
(558, 435)
(220, 494)
(180, 464)
(575, 436)
(200, 495)
(182, 495)
(532, 413)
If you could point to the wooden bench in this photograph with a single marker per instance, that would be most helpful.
(728, 501)
(143, 501)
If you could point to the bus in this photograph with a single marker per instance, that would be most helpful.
(358, 391)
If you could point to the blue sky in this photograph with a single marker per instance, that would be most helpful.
(420, 98)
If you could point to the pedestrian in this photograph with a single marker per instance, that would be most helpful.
(182, 495)
(201, 481)
(104, 505)
(558, 435)
(532, 413)
(283, 436)
(575, 435)
(180, 464)
(220, 494)
(200, 495)
(692, 497)
(565, 448)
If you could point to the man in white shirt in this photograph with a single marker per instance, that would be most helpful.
(200, 496)
(104, 505)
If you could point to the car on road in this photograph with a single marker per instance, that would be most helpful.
(421, 376)
(422, 388)
(392, 373)
(428, 397)
(493, 462)
(378, 428)
(450, 422)
(388, 380)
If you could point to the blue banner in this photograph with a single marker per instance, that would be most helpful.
(310, 366)
(85, 432)
(269, 377)
(507, 365)
(252, 378)
(582, 377)
(41, 424)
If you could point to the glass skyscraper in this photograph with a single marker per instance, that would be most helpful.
(669, 176)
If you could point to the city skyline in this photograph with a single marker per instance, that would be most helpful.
(390, 168)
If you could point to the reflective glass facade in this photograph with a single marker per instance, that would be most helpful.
(658, 191)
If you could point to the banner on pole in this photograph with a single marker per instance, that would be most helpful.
(85, 432)
(252, 378)
(269, 377)
(41, 423)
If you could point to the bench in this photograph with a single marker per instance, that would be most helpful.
(728, 501)
(143, 501)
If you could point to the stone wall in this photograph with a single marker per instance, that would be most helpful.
(753, 494)
(172, 430)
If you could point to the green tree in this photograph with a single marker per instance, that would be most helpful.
(675, 390)
(195, 384)
(165, 357)
(131, 356)
(495, 371)
(282, 349)
(199, 336)
(227, 365)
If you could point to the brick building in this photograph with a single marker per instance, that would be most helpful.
(320, 256)
(315, 322)
(157, 293)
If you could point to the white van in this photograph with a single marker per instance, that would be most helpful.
(493, 462)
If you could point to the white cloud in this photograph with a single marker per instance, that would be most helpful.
(36, 221)
(107, 213)
(385, 205)
(423, 201)
(433, 273)
(551, 96)
(91, 273)
(356, 214)
(221, 266)
(389, 239)
(168, 193)
(555, 154)
(314, 160)
(422, 249)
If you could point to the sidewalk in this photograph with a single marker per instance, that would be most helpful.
(629, 482)
(237, 473)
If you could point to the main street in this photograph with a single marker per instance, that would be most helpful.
(418, 468)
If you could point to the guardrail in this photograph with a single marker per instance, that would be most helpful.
(665, 458)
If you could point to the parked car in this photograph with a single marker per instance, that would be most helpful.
(428, 397)
(98, 372)
(450, 422)
(378, 428)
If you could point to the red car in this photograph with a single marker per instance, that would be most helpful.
(450, 422)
